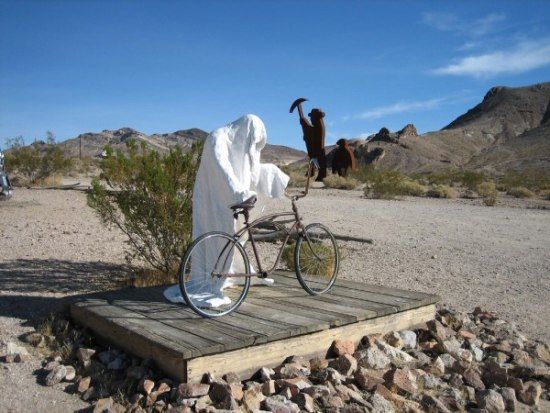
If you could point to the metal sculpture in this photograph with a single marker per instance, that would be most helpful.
(314, 136)
(343, 160)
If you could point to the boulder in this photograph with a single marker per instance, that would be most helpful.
(490, 400)
(372, 358)
(55, 376)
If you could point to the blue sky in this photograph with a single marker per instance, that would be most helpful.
(78, 66)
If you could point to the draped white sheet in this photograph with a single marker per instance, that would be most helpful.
(230, 172)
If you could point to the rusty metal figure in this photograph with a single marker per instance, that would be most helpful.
(343, 160)
(314, 136)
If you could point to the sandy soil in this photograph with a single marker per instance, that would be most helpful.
(52, 245)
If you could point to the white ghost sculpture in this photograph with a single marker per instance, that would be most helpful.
(230, 172)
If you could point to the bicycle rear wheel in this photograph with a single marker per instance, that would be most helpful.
(316, 259)
(204, 275)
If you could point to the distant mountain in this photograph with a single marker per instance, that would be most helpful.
(509, 129)
(93, 143)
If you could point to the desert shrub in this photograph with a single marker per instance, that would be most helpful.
(297, 176)
(308, 258)
(490, 200)
(545, 195)
(37, 162)
(471, 179)
(486, 188)
(387, 184)
(340, 182)
(149, 198)
(534, 180)
(413, 188)
(520, 192)
(442, 191)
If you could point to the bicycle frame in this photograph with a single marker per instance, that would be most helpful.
(297, 227)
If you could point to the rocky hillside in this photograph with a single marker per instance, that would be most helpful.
(509, 129)
(93, 144)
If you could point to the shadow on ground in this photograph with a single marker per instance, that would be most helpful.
(27, 285)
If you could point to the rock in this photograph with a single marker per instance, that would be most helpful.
(317, 364)
(103, 405)
(348, 394)
(252, 398)
(191, 390)
(515, 383)
(509, 396)
(70, 373)
(470, 393)
(297, 360)
(473, 378)
(295, 385)
(51, 365)
(231, 378)
(401, 379)
(116, 364)
(448, 361)
(341, 347)
(345, 364)
(522, 358)
(477, 352)
(452, 398)
(265, 373)
(203, 403)
(136, 372)
(397, 357)
(290, 371)
(432, 404)
(409, 339)
(56, 375)
(332, 403)
(490, 400)
(380, 404)
(422, 359)
(225, 395)
(451, 346)
(84, 355)
(437, 367)
(268, 387)
(304, 402)
(317, 391)
(287, 393)
(22, 357)
(542, 352)
(135, 398)
(162, 388)
(394, 339)
(89, 394)
(531, 393)
(279, 404)
(35, 339)
(104, 357)
(83, 384)
(365, 380)
(146, 386)
(438, 330)
(465, 355)
(372, 358)
(494, 373)
(429, 381)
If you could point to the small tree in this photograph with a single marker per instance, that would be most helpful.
(37, 161)
(149, 198)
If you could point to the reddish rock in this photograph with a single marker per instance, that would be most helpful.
(83, 384)
(490, 400)
(191, 390)
(345, 364)
(542, 352)
(402, 379)
(394, 339)
(473, 378)
(146, 386)
(341, 347)
(531, 393)
(317, 364)
(252, 398)
(304, 402)
(365, 380)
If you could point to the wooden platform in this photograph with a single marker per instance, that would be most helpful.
(273, 323)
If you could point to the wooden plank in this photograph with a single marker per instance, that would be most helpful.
(247, 360)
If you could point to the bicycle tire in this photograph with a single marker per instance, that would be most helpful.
(316, 276)
(192, 287)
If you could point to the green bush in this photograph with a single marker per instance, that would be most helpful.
(413, 188)
(149, 198)
(486, 189)
(308, 260)
(297, 176)
(520, 192)
(442, 191)
(534, 180)
(37, 162)
(340, 182)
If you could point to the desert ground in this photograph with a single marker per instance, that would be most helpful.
(52, 245)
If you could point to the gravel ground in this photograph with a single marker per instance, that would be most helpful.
(52, 245)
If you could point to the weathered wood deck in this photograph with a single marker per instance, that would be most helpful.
(273, 323)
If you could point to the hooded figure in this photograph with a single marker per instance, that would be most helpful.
(343, 159)
(230, 172)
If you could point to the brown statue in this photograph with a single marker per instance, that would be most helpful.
(343, 160)
(314, 135)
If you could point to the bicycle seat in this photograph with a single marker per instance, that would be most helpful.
(246, 204)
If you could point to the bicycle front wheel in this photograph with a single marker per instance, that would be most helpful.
(214, 274)
(316, 259)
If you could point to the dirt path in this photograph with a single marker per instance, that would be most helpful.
(52, 245)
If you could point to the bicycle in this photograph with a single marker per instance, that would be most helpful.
(227, 266)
